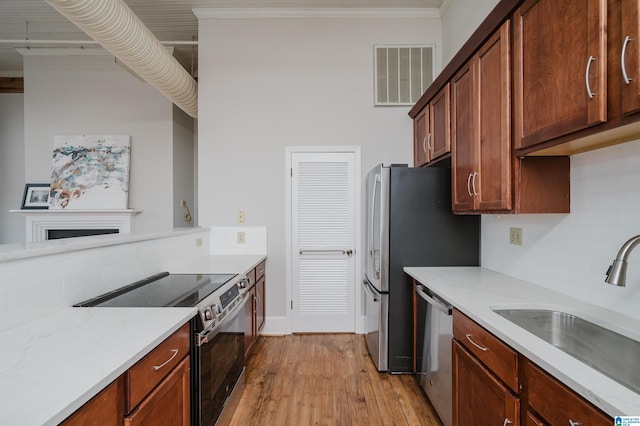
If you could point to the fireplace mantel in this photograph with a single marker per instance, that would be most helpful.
(39, 222)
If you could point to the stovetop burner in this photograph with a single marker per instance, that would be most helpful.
(162, 290)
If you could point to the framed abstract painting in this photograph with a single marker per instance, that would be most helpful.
(90, 172)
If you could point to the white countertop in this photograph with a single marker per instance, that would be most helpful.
(474, 291)
(51, 366)
(220, 264)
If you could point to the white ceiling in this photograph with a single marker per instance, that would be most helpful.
(169, 20)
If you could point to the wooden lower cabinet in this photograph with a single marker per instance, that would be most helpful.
(105, 409)
(479, 397)
(485, 391)
(154, 391)
(168, 403)
(254, 311)
(557, 404)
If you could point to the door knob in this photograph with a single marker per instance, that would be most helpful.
(348, 252)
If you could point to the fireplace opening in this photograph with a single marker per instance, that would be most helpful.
(57, 234)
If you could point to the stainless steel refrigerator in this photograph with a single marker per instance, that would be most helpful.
(409, 223)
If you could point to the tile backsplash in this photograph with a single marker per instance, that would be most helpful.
(570, 253)
(36, 286)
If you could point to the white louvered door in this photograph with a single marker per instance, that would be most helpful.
(323, 222)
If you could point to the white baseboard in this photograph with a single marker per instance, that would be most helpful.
(276, 326)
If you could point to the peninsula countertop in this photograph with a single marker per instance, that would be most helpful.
(476, 291)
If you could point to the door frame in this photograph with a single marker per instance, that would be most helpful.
(289, 151)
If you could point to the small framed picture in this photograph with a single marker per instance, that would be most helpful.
(36, 196)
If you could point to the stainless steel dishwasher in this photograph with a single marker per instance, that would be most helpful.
(434, 331)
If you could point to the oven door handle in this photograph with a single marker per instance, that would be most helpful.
(207, 335)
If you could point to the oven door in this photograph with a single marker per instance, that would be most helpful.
(219, 366)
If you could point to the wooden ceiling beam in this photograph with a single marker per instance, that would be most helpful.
(11, 85)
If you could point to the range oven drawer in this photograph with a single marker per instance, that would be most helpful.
(150, 370)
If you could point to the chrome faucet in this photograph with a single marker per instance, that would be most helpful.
(617, 272)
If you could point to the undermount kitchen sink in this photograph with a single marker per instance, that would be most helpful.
(606, 351)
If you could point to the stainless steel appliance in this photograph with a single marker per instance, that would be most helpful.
(434, 331)
(217, 350)
(409, 223)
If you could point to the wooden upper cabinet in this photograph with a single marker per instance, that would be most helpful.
(463, 158)
(481, 129)
(560, 68)
(439, 139)
(420, 131)
(432, 129)
(630, 56)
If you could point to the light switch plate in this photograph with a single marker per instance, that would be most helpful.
(515, 236)
(240, 216)
(240, 237)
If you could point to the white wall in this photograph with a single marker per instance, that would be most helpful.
(184, 172)
(265, 84)
(29, 289)
(11, 166)
(571, 253)
(460, 18)
(93, 95)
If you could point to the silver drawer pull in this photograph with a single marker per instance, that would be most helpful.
(507, 421)
(586, 77)
(627, 80)
(572, 423)
(175, 354)
(482, 348)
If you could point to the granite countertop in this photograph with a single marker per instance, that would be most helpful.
(51, 366)
(475, 291)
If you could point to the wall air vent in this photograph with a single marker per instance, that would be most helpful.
(402, 73)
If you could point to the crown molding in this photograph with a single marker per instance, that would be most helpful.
(317, 13)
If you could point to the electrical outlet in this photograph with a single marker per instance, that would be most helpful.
(515, 236)
(198, 242)
(240, 217)
(240, 237)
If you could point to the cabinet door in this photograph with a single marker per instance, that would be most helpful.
(249, 326)
(168, 404)
(260, 303)
(105, 409)
(420, 132)
(493, 182)
(560, 65)
(630, 56)
(478, 397)
(439, 138)
(463, 136)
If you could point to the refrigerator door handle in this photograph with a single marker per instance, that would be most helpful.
(370, 291)
(372, 207)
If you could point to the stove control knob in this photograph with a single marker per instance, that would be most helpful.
(208, 315)
(216, 308)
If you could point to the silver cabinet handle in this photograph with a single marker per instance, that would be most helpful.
(572, 423)
(469, 185)
(473, 183)
(424, 144)
(429, 142)
(507, 421)
(586, 77)
(482, 348)
(175, 354)
(627, 80)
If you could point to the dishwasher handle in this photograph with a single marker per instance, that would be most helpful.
(424, 293)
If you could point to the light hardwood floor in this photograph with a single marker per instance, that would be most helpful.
(326, 379)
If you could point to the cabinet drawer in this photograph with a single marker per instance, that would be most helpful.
(496, 355)
(148, 372)
(260, 270)
(558, 404)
